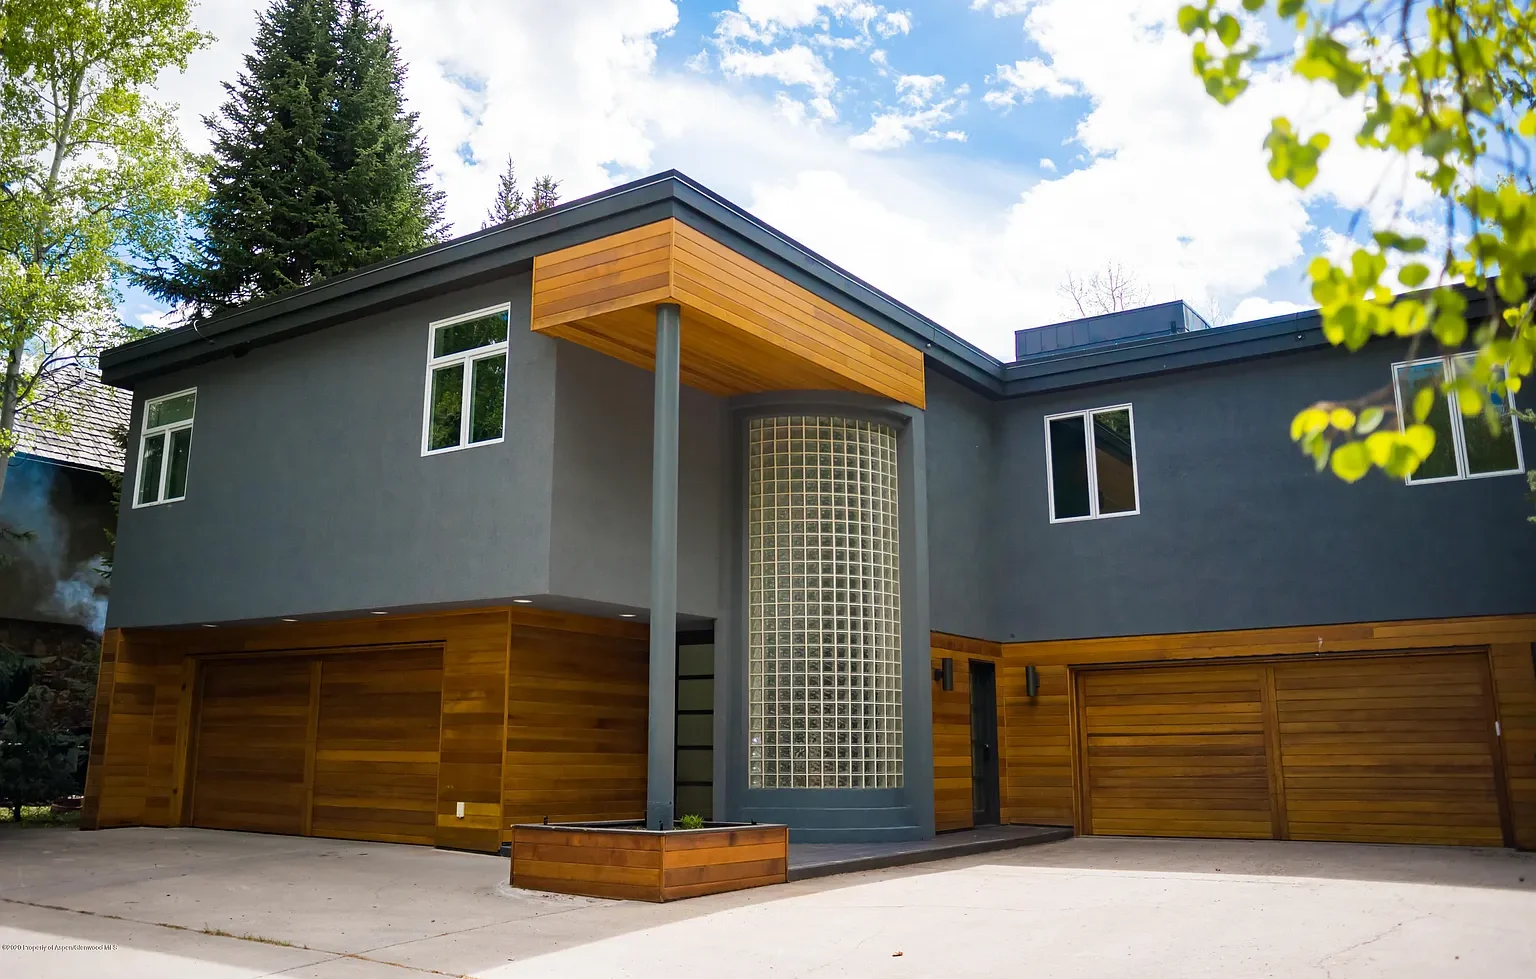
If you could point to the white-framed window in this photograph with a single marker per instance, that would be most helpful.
(1090, 464)
(1465, 448)
(165, 449)
(466, 381)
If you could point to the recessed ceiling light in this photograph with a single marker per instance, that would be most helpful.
(376, 612)
(626, 615)
(209, 625)
(523, 601)
(290, 620)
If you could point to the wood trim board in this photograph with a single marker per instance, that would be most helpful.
(745, 328)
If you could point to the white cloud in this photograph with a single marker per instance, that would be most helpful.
(1255, 308)
(923, 109)
(1168, 183)
(797, 65)
(918, 90)
(781, 13)
(1023, 80)
(1046, 163)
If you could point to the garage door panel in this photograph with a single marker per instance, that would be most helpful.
(248, 771)
(1392, 748)
(1404, 761)
(1176, 751)
(376, 746)
(372, 761)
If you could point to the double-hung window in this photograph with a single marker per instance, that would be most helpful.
(1090, 459)
(466, 381)
(1465, 448)
(165, 449)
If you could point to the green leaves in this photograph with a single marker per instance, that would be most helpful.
(1351, 461)
(1442, 90)
(1326, 59)
(1290, 159)
(1423, 404)
(95, 175)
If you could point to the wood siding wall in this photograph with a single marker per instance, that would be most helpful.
(577, 723)
(493, 660)
(1038, 733)
(745, 328)
(952, 798)
(639, 865)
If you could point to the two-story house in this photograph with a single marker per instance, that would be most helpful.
(636, 508)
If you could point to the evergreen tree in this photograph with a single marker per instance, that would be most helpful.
(385, 198)
(510, 202)
(317, 168)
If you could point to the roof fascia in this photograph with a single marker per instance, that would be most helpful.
(466, 261)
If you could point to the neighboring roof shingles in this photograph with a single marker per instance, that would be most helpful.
(95, 414)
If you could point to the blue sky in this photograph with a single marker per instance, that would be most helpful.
(964, 155)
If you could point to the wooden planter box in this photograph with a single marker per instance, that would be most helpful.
(625, 860)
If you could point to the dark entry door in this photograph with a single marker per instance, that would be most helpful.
(984, 793)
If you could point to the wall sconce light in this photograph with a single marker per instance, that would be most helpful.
(1031, 681)
(945, 673)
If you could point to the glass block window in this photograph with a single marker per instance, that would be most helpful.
(824, 617)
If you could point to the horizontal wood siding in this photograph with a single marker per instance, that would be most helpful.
(952, 796)
(570, 861)
(642, 866)
(252, 746)
(578, 703)
(1039, 772)
(1389, 750)
(377, 728)
(698, 863)
(745, 328)
(577, 708)
(101, 720)
(1178, 751)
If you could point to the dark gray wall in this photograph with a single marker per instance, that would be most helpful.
(601, 539)
(962, 467)
(307, 490)
(53, 574)
(1236, 530)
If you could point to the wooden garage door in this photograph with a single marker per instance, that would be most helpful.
(1395, 750)
(342, 745)
(376, 746)
(250, 752)
(1176, 752)
(1390, 749)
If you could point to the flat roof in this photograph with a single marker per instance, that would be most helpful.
(510, 248)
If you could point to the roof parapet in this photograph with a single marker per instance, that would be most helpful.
(1163, 319)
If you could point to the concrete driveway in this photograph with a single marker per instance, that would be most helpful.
(210, 905)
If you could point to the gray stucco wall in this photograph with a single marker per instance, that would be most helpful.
(962, 467)
(601, 538)
(1236, 530)
(308, 493)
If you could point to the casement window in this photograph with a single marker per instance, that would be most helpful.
(1090, 459)
(165, 449)
(1465, 448)
(466, 381)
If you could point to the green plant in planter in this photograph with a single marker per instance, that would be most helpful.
(691, 821)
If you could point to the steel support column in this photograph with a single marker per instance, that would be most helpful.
(661, 754)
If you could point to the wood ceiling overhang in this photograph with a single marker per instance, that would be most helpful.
(745, 328)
